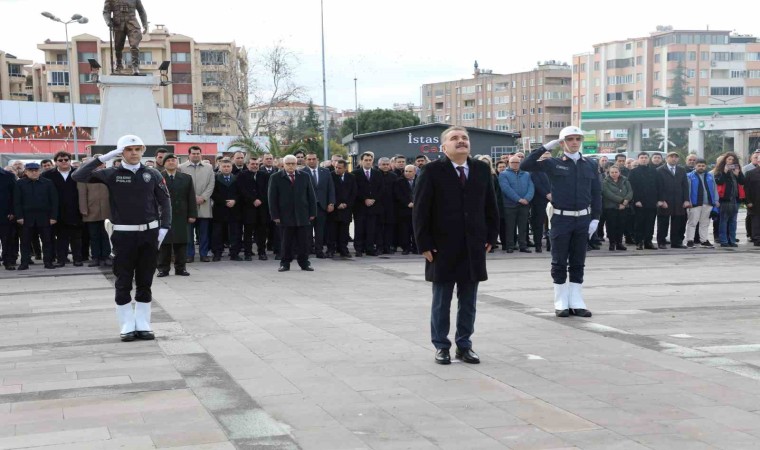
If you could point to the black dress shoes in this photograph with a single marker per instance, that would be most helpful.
(216, 259)
(263, 257)
(145, 335)
(162, 274)
(283, 268)
(78, 264)
(190, 259)
(661, 246)
(677, 246)
(372, 253)
(10, 267)
(442, 356)
(47, 266)
(562, 312)
(94, 263)
(467, 355)
(23, 266)
(182, 273)
(345, 255)
(525, 250)
(128, 337)
(205, 259)
(235, 258)
(320, 255)
(248, 258)
(359, 254)
(307, 268)
(580, 312)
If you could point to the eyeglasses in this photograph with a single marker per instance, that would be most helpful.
(573, 138)
(63, 160)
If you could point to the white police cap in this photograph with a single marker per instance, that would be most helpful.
(128, 140)
(570, 131)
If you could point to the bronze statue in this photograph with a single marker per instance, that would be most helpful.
(122, 20)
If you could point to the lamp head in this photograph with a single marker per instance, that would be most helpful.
(76, 17)
(83, 20)
(50, 16)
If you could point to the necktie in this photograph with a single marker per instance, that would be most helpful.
(292, 178)
(411, 184)
(171, 177)
(366, 172)
(673, 170)
(314, 175)
(462, 177)
(227, 179)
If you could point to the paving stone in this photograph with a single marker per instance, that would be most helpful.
(55, 438)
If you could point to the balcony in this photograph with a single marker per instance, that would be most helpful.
(57, 63)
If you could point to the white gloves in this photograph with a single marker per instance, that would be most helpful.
(162, 234)
(592, 227)
(113, 154)
(551, 145)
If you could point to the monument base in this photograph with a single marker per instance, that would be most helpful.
(128, 107)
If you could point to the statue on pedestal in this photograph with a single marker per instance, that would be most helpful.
(121, 17)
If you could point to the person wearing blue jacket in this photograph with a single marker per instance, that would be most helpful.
(703, 196)
(517, 189)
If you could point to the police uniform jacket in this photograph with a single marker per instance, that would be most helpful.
(673, 189)
(575, 185)
(643, 181)
(224, 191)
(403, 194)
(249, 190)
(93, 202)
(7, 188)
(368, 189)
(182, 195)
(203, 183)
(454, 220)
(345, 192)
(36, 202)
(68, 197)
(292, 203)
(136, 198)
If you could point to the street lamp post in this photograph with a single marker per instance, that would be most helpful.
(356, 108)
(324, 83)
(666, 106)
(78, 18)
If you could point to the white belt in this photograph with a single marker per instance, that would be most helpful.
(148, 226)
(583, 212)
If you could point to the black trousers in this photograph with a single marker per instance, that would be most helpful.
(135, 258)
(165, 257)
(365, 226)
(503, 231)
(273, 236)
(233, 232)
(405, 234)
(9, 241)
(615, 224)
(755, 223)
(628, 224)
(677, 229)
(255, 232)
(319, 226)
(101, 245)
(66, 235)
(385, 237)
(569, 238)
(337, 236)
(295, 238)
(538, 220)
(645, 219)
(602, 221)
(517, 216)
(46, 234)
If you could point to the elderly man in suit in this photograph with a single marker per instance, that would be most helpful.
(456, 222)
(292, 205)
(403, 193)
(36, 209)
(184, 211)
(203, 183)
(340, 219)
(673, 202)
(324, 189)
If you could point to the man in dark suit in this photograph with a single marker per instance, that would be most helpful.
(399, 165)
(385, 239)
(273, 231)
(68, 229)
(339, 220)
(8, 238)
(293, 205)
(184, 211)
(367, 208)
(226, 213)
(36, 208)
(252, 189)
(456, 222)
(673, 201)
(324, 189)
(643, 181)
(403, 194)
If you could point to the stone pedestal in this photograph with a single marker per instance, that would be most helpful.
(128, 107)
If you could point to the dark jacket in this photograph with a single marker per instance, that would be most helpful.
(36, 202)
(252, 186)
(224, 191)
(182, 194)
(673, 189)
(324, 190)
(499, 196)
(696, 191)
(752, 191)
(455, 221)
(614, 193)
(7, 188)
(368, 189)
(403, 194)
(68, 196)
(542, 187)
(345, 192)
(731, 184)
(643, 181)
(386, 198)
(292, 203)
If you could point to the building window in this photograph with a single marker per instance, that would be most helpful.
(596, 98)
(596, 65)
(753, 91)
(704, 56)
(638, 95)
(657, 58)
(181, 78)
(639, 44)
(690, 91)
(469, 103)
(468, 116)
(182, 99)
(639, 60)
(214, 57)
(84, 56)
(58, 78)
(628, 46)
(691, 73)
(738, 74)
(656, 92)
(703, 73)
(692, 56)
(211, 78)
(180, 57)
(90, 99)
(657, 75)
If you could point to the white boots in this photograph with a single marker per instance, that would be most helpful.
(134, 323)
(568, 300)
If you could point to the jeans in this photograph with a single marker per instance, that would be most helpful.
(439, 318)
(727, 225)
(202, 226)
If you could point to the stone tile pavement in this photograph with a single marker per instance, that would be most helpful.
(340, 359)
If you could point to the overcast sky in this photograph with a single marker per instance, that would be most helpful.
(392, 46)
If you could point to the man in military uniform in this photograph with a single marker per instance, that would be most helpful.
(121, 18)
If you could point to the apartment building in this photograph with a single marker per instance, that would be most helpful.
(13, 72)
(208, 79)
(536, 103)
(720, 68)
(279, 117)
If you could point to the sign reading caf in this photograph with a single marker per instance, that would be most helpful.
(429, 144)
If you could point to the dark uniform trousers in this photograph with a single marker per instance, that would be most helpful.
(233, 231)
(66, 235)
(337, 236)
(385, 239)
(405, 234)
(9, 241)
(31, 232)
(569, 238)
(274, 236)
(135, 257)
(320, 228)
(677, 229)
(254, 232)
(298, 239)
(365, 227)
(165, 257)
(538, 220)
(645, 218)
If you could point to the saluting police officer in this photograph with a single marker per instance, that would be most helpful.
(577, 200)
(138, 196)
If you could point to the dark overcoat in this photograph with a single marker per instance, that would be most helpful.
(673, 189)
(345, 192)
(403, 195)
(454, 221)
(224, 191)
(292, 203)
(68, 197)
(252, 186)
(182, 194)
(36, 202)
(368, 189)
